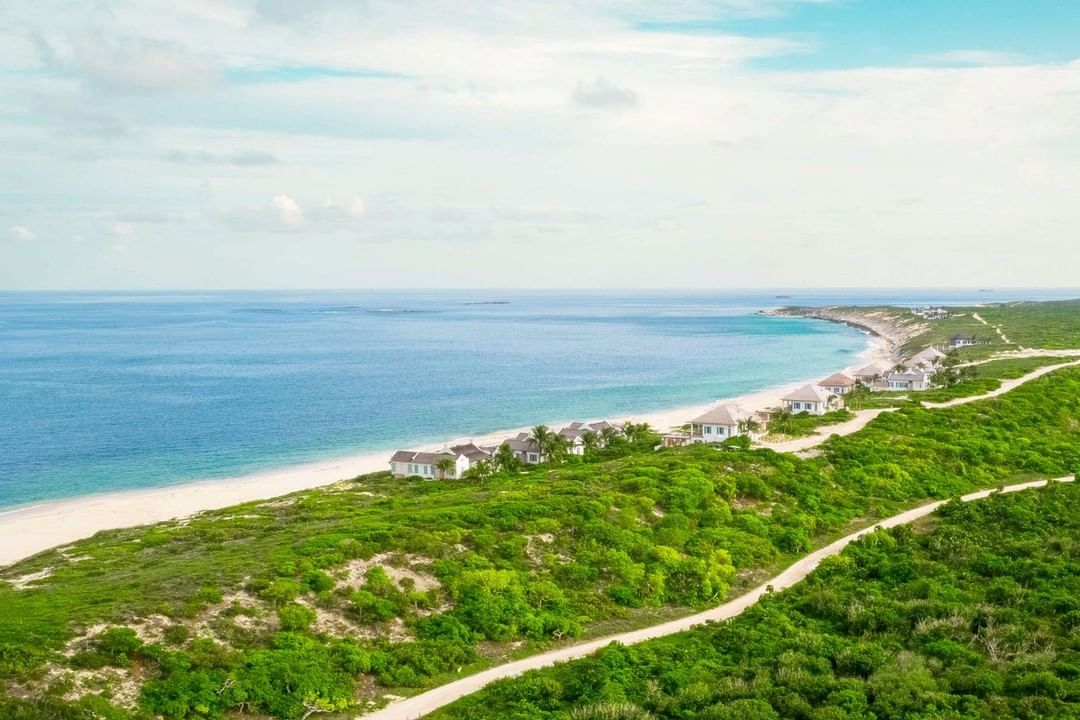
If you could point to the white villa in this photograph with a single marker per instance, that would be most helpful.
(959, 341)
(575, 432)
(811, 399)
(838, 384)
(911, 380)
(869, 374)
(716, 425)
(407, 463)
(928, 358)
(930, 313)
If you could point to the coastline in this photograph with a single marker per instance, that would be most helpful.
(30, 529)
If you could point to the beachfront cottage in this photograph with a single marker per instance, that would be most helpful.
(838, 384)
(928, 359)
(869, 374)
(575, 432)
(409, 463)
(525, 448)
(911, 380)
(720, 423)
(811, 399)
(959, 341)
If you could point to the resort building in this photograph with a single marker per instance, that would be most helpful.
(959, 341)
(869, 374)
(716, 425)
(525, 448)
(912, 380)
(928, 358)
(838, 384)
(930, 313)
(811, 399)
(575, 432)
(428, 465)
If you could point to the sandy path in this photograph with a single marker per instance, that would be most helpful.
(857, 423)
(420, 705)
(862, 417)
(1006, 386)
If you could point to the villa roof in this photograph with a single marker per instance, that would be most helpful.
(869, 371)
(403, 456)
(470, 450)
(837, 380)
(807, 393)
(728, 415)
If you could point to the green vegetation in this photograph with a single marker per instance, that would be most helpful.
(785, 424)
(1054, 325)
(970, 380)
(302, 604)
(325, 600)
(972, 615)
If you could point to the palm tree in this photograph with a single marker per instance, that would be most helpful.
(558, 448)
(481, 471)
(749, 426)
(590, 440)
(504, 459)
(608, 436)
(446, 467)
(542, 436)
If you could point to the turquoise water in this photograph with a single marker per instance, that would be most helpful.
(104, 392)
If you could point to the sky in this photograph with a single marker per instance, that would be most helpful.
(211, 144)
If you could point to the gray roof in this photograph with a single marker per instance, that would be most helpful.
(471, 451)
(869, 371)
(403, 456)
(837, 380)
(728, 415)
(807, 393)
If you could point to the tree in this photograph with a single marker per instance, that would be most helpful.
(446, 467)
(505, 460)
(590, 440)
(482, 470)
(542, 436)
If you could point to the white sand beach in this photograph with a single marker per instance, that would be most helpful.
(28, 530)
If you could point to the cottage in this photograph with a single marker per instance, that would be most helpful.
(429, 465)
(525, 448)
(575, 433)
(911, 380)
(869, 374)
(811, 399)
(959, 341)
(838, 384)
(928, 359)
(407, 463)
(722, 422)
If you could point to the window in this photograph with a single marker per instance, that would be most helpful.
(708, 429)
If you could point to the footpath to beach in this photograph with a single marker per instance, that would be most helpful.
(863, 417)
(420, 705)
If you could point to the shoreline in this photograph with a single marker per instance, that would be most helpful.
(30, 529)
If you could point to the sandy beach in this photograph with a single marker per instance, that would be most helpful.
(28, 530)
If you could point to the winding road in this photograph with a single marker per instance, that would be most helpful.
(420, 705)
(425, 703)
(862, 417)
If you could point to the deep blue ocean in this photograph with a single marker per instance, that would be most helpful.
(108, 391)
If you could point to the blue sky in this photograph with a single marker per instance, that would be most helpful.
(269, 143)
(859, 33)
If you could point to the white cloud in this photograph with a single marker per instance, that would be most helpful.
(970, 57)
(20, 232)
(288, 212)
(122, 229)
(284, 214)
(602, 94)
(139, 65)
(238, 158)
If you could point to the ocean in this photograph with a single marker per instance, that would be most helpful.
(110, 391)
